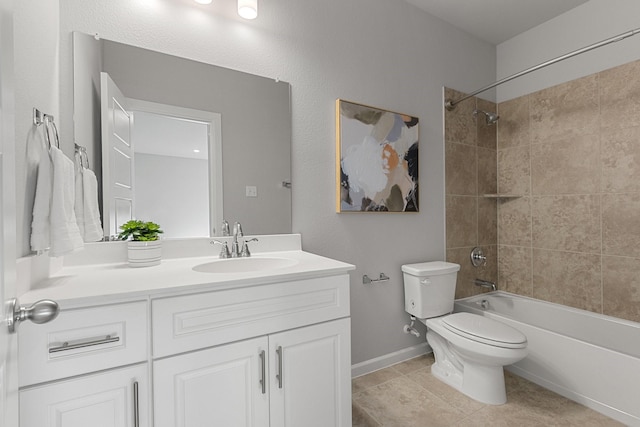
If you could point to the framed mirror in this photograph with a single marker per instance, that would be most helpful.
(207, 143)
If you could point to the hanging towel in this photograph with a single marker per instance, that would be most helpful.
(40, 226)
(65, 234)
(86, 205)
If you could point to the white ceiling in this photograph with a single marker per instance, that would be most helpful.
(495, 21)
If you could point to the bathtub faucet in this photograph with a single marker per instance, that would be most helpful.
(485, 284)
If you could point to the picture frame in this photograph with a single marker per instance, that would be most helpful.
(376, 159)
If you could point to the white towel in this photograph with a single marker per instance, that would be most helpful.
(86, 205)
(40, 226)
(65, 234)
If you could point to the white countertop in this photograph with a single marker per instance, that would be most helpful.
(117, 282)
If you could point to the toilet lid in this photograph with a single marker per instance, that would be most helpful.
(484, 330)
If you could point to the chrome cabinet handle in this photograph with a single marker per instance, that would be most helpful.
(279, 374)
(136, 406)
(263, 377)
(66, 346)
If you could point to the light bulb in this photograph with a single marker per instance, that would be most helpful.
(248, 9)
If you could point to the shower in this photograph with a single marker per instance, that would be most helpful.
(491, 118)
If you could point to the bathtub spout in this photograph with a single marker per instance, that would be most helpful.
(485, 284)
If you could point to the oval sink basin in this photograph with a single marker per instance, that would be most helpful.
(244, 265)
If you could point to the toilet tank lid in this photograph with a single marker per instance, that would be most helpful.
(431, 268)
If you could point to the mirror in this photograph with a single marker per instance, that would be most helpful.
(248, 150)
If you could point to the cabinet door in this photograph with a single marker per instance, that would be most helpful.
(310, 382)
(220, 386)
(117, 398)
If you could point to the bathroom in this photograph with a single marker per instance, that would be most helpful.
(388, 54)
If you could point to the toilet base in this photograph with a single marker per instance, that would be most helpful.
(480, 382)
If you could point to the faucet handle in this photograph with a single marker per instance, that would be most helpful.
(245, 248)
(224, 252)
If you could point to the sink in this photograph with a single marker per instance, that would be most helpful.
(245, 265)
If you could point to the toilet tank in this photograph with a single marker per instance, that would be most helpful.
(429, 288)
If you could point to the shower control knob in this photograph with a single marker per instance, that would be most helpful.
(478, 258)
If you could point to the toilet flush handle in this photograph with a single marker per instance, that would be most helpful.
(425, 281)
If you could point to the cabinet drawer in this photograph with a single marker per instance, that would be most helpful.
(197, 321)
(83, 340)
(116, 398)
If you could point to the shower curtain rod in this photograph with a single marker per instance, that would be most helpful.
(451, 104)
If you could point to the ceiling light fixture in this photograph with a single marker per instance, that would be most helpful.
(204, 1)
(248, 9)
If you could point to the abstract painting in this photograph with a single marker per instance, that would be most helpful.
(376, 159)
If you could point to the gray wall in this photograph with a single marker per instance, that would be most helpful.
(587, 24)
(385, 53)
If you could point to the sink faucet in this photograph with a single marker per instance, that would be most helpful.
(235, 247)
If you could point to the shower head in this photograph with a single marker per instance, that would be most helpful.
(490, 118)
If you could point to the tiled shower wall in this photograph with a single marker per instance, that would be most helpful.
(572, 152)
(470, 172)
(571, 156)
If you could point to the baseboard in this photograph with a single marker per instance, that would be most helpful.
(387, 360)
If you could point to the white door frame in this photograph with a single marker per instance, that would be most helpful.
(214, 121)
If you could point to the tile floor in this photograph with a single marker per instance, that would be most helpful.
(407, 395)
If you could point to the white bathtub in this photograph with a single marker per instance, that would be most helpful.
(587, 357)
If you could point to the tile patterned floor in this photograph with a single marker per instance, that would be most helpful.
(407, 395)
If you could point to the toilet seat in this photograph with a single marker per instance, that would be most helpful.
(484, 330)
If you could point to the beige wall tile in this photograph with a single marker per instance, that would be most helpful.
(514, 171)
(568, 166)
(620, 96)
(460, 169)
(513, 126)
(461, 221)
(487, 171)
(565, 111)
(459, 124)
(514, 222)
(568, 223)
(464, 285)
(514, 269)
(486, 133)
(620, 160)
(487, 221)
(621, 224)
(468, 273)
(567, 278)
(621, 287)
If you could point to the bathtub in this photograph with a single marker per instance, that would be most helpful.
(590, 358)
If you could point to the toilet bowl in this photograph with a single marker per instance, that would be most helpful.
(470, 350)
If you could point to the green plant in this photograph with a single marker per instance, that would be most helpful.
(139, 231)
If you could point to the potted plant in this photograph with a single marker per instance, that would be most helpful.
(144, 247)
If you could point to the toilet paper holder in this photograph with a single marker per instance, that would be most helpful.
(368, 280)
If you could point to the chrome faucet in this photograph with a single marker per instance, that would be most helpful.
(485, 284)
(225, 228)
(235, 247)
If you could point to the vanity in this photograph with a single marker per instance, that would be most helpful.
(194, 341)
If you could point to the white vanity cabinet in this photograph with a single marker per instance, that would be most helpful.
(269, 355)
(171, 346)
(89, 367)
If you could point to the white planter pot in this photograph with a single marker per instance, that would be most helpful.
(144, 254)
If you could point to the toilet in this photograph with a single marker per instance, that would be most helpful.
(470, 350)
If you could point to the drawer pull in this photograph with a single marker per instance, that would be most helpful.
(136, 406)
(263, 369)
(66, 346)
(279, 374)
